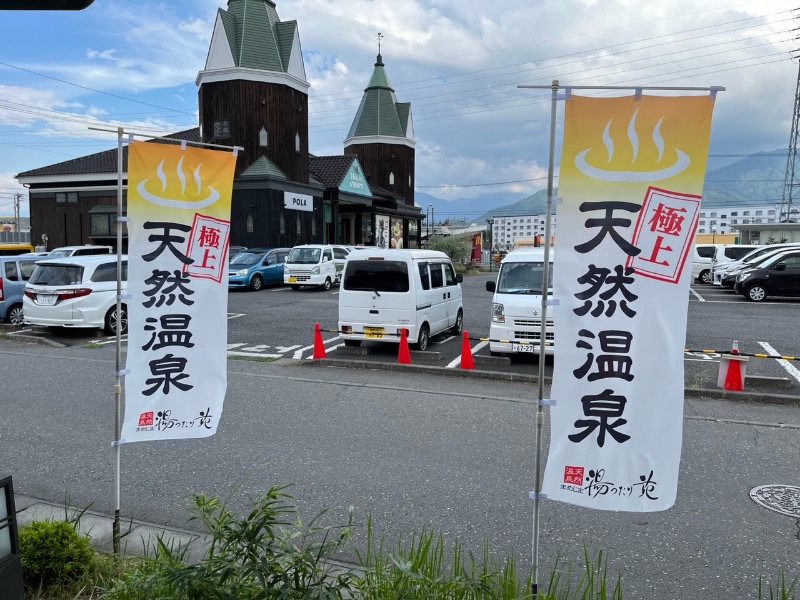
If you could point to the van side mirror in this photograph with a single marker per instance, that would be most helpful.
(780, 267)
(491, 286)
(459, 278)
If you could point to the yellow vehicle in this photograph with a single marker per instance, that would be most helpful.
(14, 248)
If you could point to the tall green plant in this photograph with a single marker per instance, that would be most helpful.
(457, 248)
(267, 553)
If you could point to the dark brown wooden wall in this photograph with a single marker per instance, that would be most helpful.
(266, 207)
(251, 105)
(378, 160)
(64, 224)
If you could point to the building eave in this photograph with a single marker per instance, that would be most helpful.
(247, 74)
(379, 139)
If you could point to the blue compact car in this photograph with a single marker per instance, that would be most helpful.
(255, 267)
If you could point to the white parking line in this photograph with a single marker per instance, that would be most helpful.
(790, 368)
(457, 362)
(299, 354)
(699, 297)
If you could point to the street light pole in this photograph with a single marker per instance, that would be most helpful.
(491, 258)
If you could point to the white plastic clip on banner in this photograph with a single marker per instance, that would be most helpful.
(119, 443)
(552, 302)
(236, 151)
(547, 402)
(533, 495)
(124, 296)
(123, 372)
(183, 144)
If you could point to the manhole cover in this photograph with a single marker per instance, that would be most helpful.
(784, 499)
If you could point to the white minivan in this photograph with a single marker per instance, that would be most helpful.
(516, 325)
(385, 291)
(318, 265)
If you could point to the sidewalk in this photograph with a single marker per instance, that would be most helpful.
(137, 538)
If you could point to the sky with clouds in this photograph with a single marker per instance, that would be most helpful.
(459, 63)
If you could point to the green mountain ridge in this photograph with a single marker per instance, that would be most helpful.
(755, 180)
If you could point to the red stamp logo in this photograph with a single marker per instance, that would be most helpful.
(573, 475)
(145, 419)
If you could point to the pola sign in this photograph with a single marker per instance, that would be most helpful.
(298, 201)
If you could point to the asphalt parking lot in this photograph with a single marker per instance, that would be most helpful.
(278, 323)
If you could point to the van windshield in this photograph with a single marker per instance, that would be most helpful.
(376, 276)
(523, 278)
(304, 256)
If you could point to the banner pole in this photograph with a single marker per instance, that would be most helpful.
(118, 363)
(537, 495)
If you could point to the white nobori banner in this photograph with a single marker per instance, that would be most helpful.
(631, 175)
(179, 224)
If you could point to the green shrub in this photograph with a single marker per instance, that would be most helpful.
(53, 552)
(457, 248)
(267, 553)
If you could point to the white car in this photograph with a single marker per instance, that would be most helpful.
(78, 292)
(718, 271)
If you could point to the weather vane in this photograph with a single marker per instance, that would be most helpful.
(380, 37)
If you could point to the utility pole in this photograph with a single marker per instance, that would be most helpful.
(16, 212)
(791, 185)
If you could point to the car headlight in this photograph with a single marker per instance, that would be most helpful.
(742, 276)
(241, 272)
(498, 313)
(315, 270)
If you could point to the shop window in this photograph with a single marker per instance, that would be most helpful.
(391, 178)
(297, 142)
(263, 138)
(250, 224)
(67, 197)
(222, 129)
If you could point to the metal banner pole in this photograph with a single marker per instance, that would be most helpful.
(537, 490)
(118, 386)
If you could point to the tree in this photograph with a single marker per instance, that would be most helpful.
(457, 248)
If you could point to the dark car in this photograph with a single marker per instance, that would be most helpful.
(779, 276)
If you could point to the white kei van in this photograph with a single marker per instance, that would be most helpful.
(385, 291)
(517, 304)
(317, 265)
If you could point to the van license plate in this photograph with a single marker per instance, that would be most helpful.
(373, 332)
(46, 300)
(523, 348)
(292, 279)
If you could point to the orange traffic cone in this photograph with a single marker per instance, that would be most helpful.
(403, 355)
(733, 378)
(466, 353)
(319, 347)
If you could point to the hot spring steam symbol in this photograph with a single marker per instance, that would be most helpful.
(680, 164)
(188, 204)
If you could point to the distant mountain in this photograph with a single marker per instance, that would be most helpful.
(757, 179)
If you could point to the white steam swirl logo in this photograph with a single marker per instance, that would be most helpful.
(153, 199)
(680, 164)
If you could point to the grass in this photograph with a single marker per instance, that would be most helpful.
(264, 359)
(270, 552)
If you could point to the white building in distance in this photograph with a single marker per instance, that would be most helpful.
(508, 231)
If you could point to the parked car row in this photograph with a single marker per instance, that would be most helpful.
(17, 269)
(316, 265)
(771, 270)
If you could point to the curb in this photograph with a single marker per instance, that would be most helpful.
(30, 339)
(744, 396)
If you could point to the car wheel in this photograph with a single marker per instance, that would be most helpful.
(756, 293)
(112, 320)
(422, 339)
(705, 277)
(352, 343)
(295, 287)
(459, 326)
(327, 285)
(15, 315)
(257, 283)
